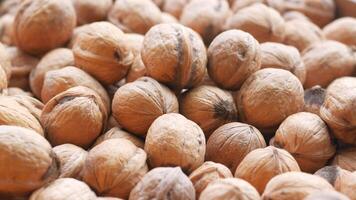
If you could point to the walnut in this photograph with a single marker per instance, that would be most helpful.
(342, 30)
(326, 195)
(346, 7)
(6, 29)
(33, 105)
(164, 183)
(12, 91)
(173, 140)
(168, 18)
(292, 15)
(42, 25)
(83, 29)
(114, 167)
(3, 81)
(116, 132)
(314, 98)
(346, 159)
(137, 70)
(112, 123)
(108, 198)
(239, 4)
(5, 61)
(173, 7)
(91, 10)
(9, 6)
(230, 143)
(135, 42)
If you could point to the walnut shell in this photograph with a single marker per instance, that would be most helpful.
(230, 143)
(6, 29)
(112, 123)
(174, 55)
(209, 107)
(173, 140)
(314, 98)
(262, 22)
(116, 133)
(230, 188)
(55, 59)
(326, 195)
(27, 161)
(57, 81)
(168, 18)
(88, 11)
(164, 183)
(342, 30)
(114, 167)
(136, 105)
(76, 32)
(135, 42)
(75, 116)
(173, 7)
(346, 159)
(261, 165)
(338, 109)
(265, 105)
(71, 159)
(62, 189)
(206, 17)
(53, 20)
(239, 4)
(294, 186)
(346, 7)
(108, 198)
(306, 137)
(3, 80)
(5, 61)
(102, 52)
(206, 174)
(292, 15)
(134, 16)
(33, 105)
(137, 70)
(9, 6)
(12, 91)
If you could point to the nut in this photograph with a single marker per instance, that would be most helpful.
(291, 15)
(12, 91)
(261, 165)
(342, 30)
(346, 159)
(135, 42)
(239, 4)
(168, 18)
(326, 195)
(9, 6)
(173, 140)
(5, 61)
(173, 7)
(114, 167)
(88, 11)
(314, 98)
(346, 7)
(164, 183)
(137, 70)
(76, 32)
(33, 105)
(117, 133)
(6, 29)
(3, 80)
(230, 143)
(136, 105)
(53, 20)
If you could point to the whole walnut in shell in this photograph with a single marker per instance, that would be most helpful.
(102, 51)
(291, 15)
(168, 18)
(108, 198)
(261, 165)
(71, 159)
(313, 99)
(136, 105)
(116, 133)
(164, 183)
(239, 4)
(206, 17)
(134, 16)
(55, 59)
(230, 143)
(206, 174)
(135, 42)
(137, 70)
(12, 91)
(262, 22)
(338, 110)
(173, 140)
(33, 105)
(174, 55)
(276, 55)
(346, 7)
(5, 61)
(230, 188)
(306, 137)
(9, 6)
(173, 7)
(83, 29)
(326, 195)
(76, 116)
(266, 105)
(27, 161)
(342, 30)
(294, 186)
(62, 189)
(209, 107)
(114, 167)
(3, 80)
(6, 29)
(91, 10)
(233, 56)
(52, 20)
(346, 159)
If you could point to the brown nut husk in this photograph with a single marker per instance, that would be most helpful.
(76, 116)
(114, 167)
(208, 106)
(294, 186)
(230, 143)
(55, 59)
(88, 11)
(313, 99)
(346, 159)
(233, 56)
(174, 55)
(306, 137)
(342, 30)
(346, 7)
(71, 159)
(62, 189)
(326, 195)
(53, 20)
(33, 105)
(173, 140)
(137, 70)
(6, 29)
(12, 91)
(136, 105)
(338, 109)
(5, 61)
(134, 16)
(57, 81)
(102, 52)
(206, 174)
(27, 161)
(117, 133)
(265, 105)
(173, 7)
(291, 15)
(230, 188)
(164, 183)
(262, 22)
(276, 55)
(168, 18)
(261, 165)
(206, 17)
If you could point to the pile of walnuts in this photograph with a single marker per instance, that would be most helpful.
(178, 99)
